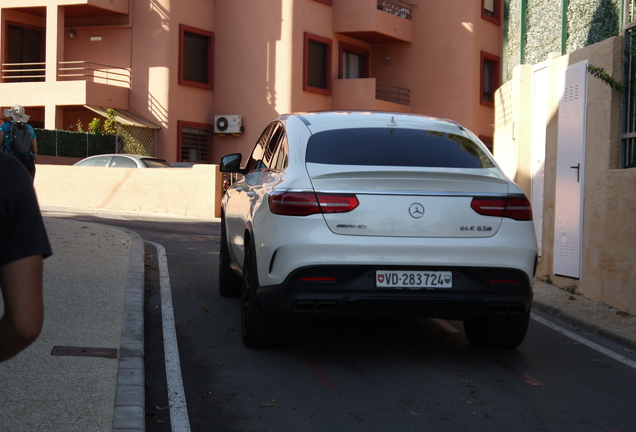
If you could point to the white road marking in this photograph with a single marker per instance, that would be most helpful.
(586, 342)
(176, 395)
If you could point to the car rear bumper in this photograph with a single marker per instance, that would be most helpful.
(475, 292)
(303, 242)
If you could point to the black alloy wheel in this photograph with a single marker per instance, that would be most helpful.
(229, 283)
(506, 331)
(260, 329)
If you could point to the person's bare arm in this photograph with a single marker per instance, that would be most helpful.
(21, 324)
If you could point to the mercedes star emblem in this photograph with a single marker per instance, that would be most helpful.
(416, 210)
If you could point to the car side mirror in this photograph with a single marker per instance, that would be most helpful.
(231, 163)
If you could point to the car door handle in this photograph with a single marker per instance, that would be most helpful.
(578, 170)
(251, 194)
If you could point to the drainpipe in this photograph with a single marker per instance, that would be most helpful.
(622, 16)
(523, 31)
(564, 25)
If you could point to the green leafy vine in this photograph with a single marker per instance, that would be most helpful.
(599, 72)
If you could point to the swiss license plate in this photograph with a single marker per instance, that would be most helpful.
(413, 279)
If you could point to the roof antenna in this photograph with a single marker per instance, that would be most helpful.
(391, 122)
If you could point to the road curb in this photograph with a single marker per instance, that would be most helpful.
(584, 322)
(130, 399)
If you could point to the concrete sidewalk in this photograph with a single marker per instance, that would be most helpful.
(93, 295)
(94, 286)
(582, 312)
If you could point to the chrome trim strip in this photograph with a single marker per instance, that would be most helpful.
(408, 193)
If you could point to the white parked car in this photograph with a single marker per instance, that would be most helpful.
(374, 214)
(120, 160)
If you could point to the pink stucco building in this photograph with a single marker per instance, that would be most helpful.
(171, 67)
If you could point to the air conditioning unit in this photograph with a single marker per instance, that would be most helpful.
(227, 124)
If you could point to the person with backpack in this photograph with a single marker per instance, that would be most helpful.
(18, 138)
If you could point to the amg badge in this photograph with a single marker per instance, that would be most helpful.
(351, 226)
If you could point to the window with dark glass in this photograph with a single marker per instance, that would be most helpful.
(24, 52)
(196, 55)
(270, 149)
(491, 11)
(255, 161)
(317, 64)
(489, 78)
(279, 162)
(195, 50)
(194, 142)
(353, 62)
(396, 147)
(351, 65)
(99, 161)
(488, 84)
(122, 162)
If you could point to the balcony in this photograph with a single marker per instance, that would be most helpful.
(368, 94)
(374, 21)
(77, 83)
(76, 8)
(393, 94)
(396, 7)
(94, 72)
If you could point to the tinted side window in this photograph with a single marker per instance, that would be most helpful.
(396, 147)
(279, 162)
(122, 162)
(98, 161)
(256, 158)
(270, 149)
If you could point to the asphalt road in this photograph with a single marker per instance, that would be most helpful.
(360, 375)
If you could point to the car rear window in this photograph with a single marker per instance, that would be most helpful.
(97, 161)
(396, 147)
(156, 163)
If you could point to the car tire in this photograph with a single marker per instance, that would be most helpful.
(497, 332)
(259, 328)
(229, 283)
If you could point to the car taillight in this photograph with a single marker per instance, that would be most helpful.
(307, 203)
(513, 208)
(337, 203)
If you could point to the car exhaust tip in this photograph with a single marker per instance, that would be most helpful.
(506, 308)
(317, 307)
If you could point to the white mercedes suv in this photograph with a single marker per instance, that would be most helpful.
(375, 214)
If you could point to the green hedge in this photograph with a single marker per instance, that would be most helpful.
(73, 144)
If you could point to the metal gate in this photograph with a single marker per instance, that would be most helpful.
(136, 140)
(134, 134)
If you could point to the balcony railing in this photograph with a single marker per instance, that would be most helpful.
(19, 72)
(67, 71)
(95, 72)
(393, 94)
(396, 7)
